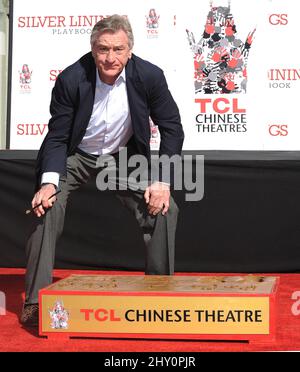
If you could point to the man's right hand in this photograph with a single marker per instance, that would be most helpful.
(42, 196)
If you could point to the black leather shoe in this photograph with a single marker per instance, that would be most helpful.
(30, 315)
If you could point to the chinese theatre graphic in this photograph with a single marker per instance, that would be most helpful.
(152, 19)
(220, 57)
(25, 75)
(59, 316)
(25, 79)
(152, 23)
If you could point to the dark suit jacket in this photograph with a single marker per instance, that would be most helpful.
(72, 104)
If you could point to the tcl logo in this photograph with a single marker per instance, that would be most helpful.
(278, 130)
(101, 315)
(278, 19)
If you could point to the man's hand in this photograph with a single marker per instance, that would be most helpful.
(42, 196)
(157, 196)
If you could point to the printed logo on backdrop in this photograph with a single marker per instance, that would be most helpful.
(283, 78)
(61, 24)
(220, 68)
(152, 24)
(25, 79)
(278, 130)
(278, 19)
(53, 74)
(31, 129)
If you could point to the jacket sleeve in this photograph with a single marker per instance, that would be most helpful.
(165, 114)
(52, 155)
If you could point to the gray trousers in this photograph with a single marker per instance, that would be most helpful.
(158, 231)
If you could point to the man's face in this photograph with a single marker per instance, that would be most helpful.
(111, 53)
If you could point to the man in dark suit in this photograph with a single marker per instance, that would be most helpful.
(100, 105)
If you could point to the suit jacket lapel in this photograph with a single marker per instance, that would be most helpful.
(85, 105)
(133, 81)
(87, 91)
(130, 83)
(137, 99)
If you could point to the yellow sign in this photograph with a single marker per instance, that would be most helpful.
(149, 314)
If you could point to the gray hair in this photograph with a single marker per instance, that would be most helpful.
(113, 24)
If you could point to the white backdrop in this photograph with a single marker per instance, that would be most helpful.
(50, 35)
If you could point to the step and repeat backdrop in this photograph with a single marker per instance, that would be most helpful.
(233, 67)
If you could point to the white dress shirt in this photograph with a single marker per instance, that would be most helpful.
(109, 127)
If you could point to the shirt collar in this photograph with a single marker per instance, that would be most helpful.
(121, 78)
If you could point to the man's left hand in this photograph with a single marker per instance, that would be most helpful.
(157, 196)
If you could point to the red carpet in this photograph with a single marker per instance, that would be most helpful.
(14, 338)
